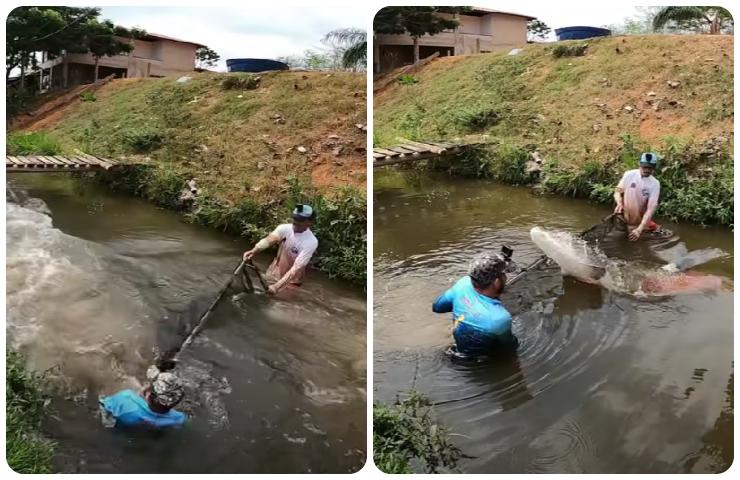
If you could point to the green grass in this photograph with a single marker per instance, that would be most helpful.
(26, 450)
(33, 143)
(408, 431)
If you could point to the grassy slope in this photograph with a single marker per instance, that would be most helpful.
(246, 163)
(571, 110)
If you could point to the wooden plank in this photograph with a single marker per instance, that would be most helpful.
(378, 155)
(65, 161)
(401, 150)
(60, 161)
(414, 148)
(387, 153)
(98, 161)
(427, 146)
(12, 160)
(48, 161)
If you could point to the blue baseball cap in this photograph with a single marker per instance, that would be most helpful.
(303, 212)
(649, 159)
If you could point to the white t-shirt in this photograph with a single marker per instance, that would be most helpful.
(298, 247)
(640, 194)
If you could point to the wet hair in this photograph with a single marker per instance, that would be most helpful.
(486, 268)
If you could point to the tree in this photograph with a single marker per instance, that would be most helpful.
(104, 39)
(58, 30)
(698, 19)
(352, 43)
(537, 30)
(415, 21)
(205, 57)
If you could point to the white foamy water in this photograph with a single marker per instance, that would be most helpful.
(66, 311)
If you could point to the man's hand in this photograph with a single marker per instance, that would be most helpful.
(248, 255)
(619, 209)
(635, 234)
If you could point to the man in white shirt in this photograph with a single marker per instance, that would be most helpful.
(297, 245)
(637, 196)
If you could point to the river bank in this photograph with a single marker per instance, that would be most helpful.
(254, 145)
(571, 125)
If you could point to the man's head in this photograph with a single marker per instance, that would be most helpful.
(165, 390)
(488, 273)
(648, 163)
(303, 217)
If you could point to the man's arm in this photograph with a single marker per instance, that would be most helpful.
(263, 244)
(619, 195)
(301, 262)
(443, 303)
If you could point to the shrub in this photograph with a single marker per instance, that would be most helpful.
(32, 143)
(479, 119)
(143, 140)
(577, 50)
(407, 430)
(407, 79)
(240, 82)
(88, 97)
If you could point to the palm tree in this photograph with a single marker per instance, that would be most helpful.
(353, 42)
(694, 18)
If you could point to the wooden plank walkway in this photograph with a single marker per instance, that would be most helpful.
(55, 163)
(410, 151)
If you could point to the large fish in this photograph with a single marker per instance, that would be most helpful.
(573, 255)
(585, 263)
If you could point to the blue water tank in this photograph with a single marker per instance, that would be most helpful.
(580, 33)
(254, 65)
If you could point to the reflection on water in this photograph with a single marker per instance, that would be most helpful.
(599, 381)
(273, 385)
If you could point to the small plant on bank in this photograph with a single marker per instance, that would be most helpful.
(407, 79)
(408, 431)
(88, 97)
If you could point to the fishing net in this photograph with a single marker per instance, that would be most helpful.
(608, 225)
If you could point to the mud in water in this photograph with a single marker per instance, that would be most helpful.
(97, 281)
(603, 381)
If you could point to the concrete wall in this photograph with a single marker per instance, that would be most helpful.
(509, 30)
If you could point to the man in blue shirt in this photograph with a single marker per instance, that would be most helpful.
(480, 321)
(153, 407)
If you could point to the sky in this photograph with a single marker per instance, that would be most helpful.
(254, 31)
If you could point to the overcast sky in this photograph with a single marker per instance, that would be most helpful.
(253, 30)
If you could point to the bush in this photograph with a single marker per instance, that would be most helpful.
(569, 50)
(26, 405)
(407, 431)
(407, 79)
(143, 140)
(18, 100)
(240, 82)
(33, 143)
(478, 120)
(88, 97)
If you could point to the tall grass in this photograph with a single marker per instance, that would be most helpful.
(33, 143)
(26, 450)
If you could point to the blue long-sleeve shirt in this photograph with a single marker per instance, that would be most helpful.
(474, 309)
(131, 410)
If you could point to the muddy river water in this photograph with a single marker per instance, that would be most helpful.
(95, 280)
(602, 381)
